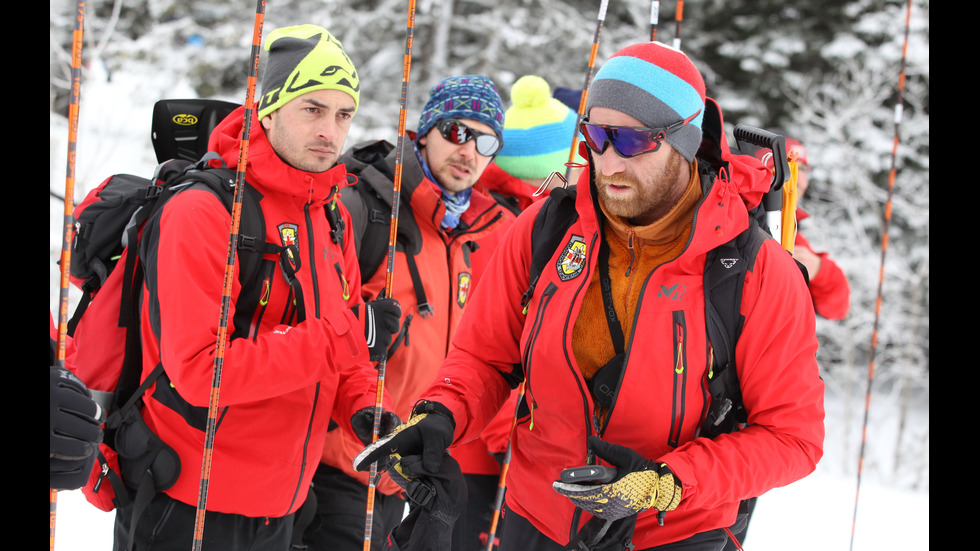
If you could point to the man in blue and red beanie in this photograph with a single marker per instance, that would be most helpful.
(448, 227)
(612, 345)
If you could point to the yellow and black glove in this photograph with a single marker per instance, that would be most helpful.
(639, 485)
(428, 433)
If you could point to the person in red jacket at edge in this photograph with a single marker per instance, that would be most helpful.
(828, 285)
(306, 358)
(538, 132)
(829, 289)
(646, 221)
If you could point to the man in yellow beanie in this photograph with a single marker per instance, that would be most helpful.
(302, 359)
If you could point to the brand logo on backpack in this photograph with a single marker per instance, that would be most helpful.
(184, 119)
(463, 289)
(572, 259)
(728, 262)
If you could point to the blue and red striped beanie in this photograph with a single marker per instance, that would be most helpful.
(657, 85)
(472, 97)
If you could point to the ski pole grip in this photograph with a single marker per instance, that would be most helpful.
(769, 140)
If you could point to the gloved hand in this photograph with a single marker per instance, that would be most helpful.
(428, 432)
(438, 498)
(76, 431)
(639, 485)
(604, 535)
(363, 424)
(381, 319)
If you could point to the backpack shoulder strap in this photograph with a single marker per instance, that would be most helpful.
(550, 225)
(724, 279)
(367, 162)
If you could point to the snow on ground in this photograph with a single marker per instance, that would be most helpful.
(812, 514)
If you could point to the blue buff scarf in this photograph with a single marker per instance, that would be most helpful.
(456, 204)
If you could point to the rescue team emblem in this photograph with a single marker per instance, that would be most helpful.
(287, 234)
(463, 289)
(572, 259)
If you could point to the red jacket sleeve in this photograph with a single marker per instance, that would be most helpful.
(829, 287)
(781, 389)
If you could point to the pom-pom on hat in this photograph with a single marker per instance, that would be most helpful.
(657, 85)
(302, 59)
(538, 131)
(472, 97)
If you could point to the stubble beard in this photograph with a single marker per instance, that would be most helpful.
(298, 157)
(449, 181)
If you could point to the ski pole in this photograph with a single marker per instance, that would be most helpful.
(504, 467)
(678, 17)
(229, 277)
(390, 267)
(654, 19)
(881, 273)
(588, 80)
(69, 226)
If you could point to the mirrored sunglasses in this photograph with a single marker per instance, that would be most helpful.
(458, 133)
(628, 141)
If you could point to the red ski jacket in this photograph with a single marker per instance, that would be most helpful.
(662, 398)
(281, 385)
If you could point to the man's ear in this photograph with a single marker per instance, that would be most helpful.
(267, 121)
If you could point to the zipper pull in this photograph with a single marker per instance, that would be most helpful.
(679, 367)
(630, 235)
(102, 475)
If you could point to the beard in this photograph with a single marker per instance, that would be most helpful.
(652, 194)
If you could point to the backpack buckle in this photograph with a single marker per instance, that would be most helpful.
(152, 192)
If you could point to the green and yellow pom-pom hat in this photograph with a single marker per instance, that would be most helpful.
(538, 131)
(302, 59)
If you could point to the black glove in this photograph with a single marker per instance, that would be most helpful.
(429, 433)
(604, 535)
(76, 431)
(363, 424)
(639, 485)
(381, 319)
(437, 500)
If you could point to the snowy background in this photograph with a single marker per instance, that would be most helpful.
(130, 70)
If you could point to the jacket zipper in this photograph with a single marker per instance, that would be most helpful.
(311, 245)
(306, 444)
(535, 332)
(680, 380)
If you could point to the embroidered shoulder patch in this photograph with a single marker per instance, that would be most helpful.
(463, 289)
(572, 258)
(287, 234)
